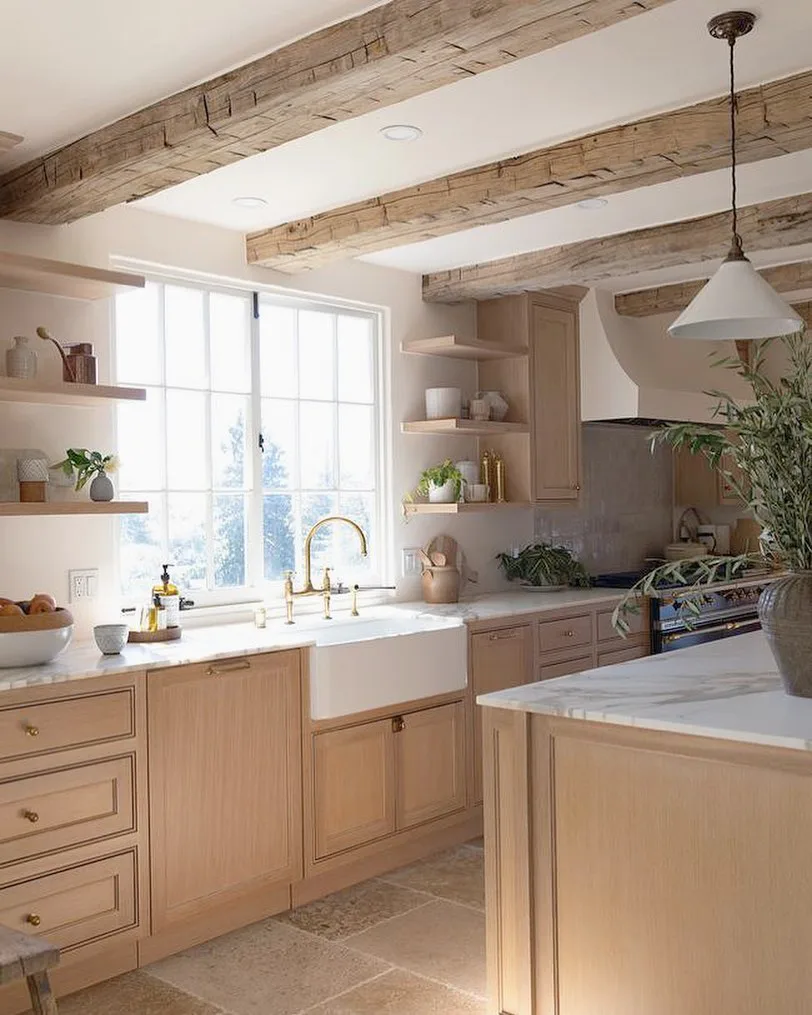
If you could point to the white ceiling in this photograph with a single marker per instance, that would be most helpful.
(656, 61)
(70, 68)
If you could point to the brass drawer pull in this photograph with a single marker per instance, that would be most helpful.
(398, 724)
(31, 731)
(31, 816)
(570, 634)
(503, 635)
(34, 919)
(228, 667)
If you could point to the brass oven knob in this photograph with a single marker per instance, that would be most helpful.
(31, 816)
(31, 731)
(34, 919)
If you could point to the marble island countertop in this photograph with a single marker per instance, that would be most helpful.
(83, 660)
(726, 689)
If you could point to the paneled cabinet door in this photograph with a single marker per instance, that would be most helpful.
(224, 782)
(556, 409)
(430, 763)
(354, 786)
(499, 659)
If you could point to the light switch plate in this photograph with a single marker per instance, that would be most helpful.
(83, 585)
(412, 566)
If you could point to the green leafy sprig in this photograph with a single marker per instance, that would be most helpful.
(82, 465)
(437, 475)
(544, 564)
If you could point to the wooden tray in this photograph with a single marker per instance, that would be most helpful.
(170, 634)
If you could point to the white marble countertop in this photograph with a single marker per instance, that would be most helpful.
(726, 689)
(83, 660)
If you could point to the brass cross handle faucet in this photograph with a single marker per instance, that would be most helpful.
(309, 589)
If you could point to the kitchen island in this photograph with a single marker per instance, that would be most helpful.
(648, 831)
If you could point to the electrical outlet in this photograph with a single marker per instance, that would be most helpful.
(83, 584)
(412, 566)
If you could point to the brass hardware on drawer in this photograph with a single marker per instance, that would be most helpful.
(34, 919)
(398, 724)
(231, 666)
(31, 816)
(570, 634)
(31, 731)
(577, 487)
(503, 636)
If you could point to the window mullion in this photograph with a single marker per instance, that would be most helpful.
(209, 478)
(255, 499)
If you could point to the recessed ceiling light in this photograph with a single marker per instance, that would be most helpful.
(249, 202)
(591, 203)
(401, 132)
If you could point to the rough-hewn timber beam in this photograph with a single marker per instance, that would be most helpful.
(400, 49)
(773, 119)
(783, 223)
(665, 299)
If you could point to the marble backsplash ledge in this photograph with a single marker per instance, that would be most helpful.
(625, 514)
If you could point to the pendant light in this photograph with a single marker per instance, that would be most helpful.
(737, 303)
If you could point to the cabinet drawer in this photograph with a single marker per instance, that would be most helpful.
(54, 810)
(570, 633)
(638, 624)
(623, 655)
(76, 906)
(26, 730)
(564, 668)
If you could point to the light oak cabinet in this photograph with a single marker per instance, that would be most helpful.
(224, 782)
(543, 389)
(377, 778)
(354, 785)
(499, 659)
(698, 484)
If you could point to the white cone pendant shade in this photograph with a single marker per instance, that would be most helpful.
(736, 304)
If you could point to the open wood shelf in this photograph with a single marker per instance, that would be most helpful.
(61, 278)
(61, 393)
(464, 427)
(461, 508)
(76, 507)
(462, 348)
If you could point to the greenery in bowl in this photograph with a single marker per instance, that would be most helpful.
(83, 465)
(763, 449)
(543, 564)
(437, 475)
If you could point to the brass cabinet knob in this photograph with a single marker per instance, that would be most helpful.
(570, 634)
(31, 731)
(577, 487)
(34, 919)
(398, 724)
(31, 816)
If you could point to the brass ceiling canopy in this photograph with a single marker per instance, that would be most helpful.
(731, 25)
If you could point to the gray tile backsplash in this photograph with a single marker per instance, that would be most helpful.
(625, 513)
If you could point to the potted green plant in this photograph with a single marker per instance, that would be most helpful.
(86, 466)
(763, 448)
(440, 484)
(542, 565)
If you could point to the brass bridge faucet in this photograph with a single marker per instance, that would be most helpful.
(326, 588)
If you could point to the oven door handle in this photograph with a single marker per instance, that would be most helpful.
(732, 626)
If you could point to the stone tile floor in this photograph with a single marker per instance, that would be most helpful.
(408, 943)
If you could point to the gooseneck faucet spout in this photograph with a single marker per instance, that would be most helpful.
(308, 583)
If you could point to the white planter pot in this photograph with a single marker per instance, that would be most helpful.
(445, 494)
(443, 403)
(32, 470)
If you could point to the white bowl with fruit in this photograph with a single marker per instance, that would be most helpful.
(33, 631)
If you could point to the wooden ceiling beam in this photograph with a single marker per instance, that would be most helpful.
(783, 223)
(383, 56)
(666, 299)
(773, 119)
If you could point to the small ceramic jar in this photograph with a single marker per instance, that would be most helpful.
(21, 360)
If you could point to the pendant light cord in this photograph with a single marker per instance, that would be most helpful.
(737, 240)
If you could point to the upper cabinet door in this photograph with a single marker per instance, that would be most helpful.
(556, 409)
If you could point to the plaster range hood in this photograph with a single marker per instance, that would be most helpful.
(633, 372)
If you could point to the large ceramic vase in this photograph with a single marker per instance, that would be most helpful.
(785, 610)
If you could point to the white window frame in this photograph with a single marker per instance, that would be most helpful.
(257, 588)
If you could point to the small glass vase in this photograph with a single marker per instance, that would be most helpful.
(101, 489)
(21, 360)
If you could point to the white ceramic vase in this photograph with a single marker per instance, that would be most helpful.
(32, 470)
(21, 360)
(443, 403)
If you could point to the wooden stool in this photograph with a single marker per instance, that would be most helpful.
(24, 956)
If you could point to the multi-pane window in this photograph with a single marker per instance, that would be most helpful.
(256, 426)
